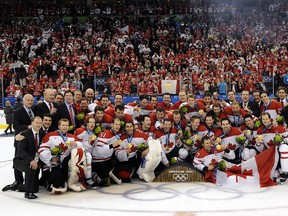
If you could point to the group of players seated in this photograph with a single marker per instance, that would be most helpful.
(89, 148)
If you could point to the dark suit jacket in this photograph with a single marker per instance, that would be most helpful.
(26, 150)
(63, 112)
(21, 120)
(284, 113)
(41, 109)
(253, 106)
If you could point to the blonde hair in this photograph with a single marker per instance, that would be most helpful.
(7, 103)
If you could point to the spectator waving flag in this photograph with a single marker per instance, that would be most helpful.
(257, 171)
(126, 30)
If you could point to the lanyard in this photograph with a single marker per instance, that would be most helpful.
(117, 135)
(167, 138)
(64, 138)
(89, 132)
(266, 128)
(129, 138)
(224, 134)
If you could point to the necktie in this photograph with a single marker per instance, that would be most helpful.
(282, 102)
(30, 114)
(36, 141)
(71, 115)
(50, 106)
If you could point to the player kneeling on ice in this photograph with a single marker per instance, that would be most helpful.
(131, 153)
(210, 158)
(171, 144)
(88, 139)
(62, 153)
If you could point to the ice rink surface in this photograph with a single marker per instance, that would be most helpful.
(140, 198)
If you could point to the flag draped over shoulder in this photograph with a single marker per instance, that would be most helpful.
(257, 171)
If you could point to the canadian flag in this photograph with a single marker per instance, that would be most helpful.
(126, 30)
(257, 171)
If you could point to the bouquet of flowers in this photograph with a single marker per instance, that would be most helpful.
(258, 123)
(280, 119)
(189, 142)
(240, 139)
(71, 128)
(142, 147)
(278, 139)
(80, 116)
(221, 166)
(173, 160)
(98, 129)
(57, 151)
(183, 110)
(186, 134)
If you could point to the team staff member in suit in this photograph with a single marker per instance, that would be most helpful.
(250, 106)
(67, 110)
(26, 159)
(48, 106)
(22, 121)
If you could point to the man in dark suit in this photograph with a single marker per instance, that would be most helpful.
(26, 159)
(250, 106)
(48, 106)
(256, 97)
(22, 121)
(282, 96)
(46, 124)
(67, 110)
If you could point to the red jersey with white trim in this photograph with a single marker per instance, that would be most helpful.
(236, 119)
(102, 151)
(104, 122)
(52, 140)
(167, 107)
(150, 132)
(273, 107)
(135, 139)
(131, 109)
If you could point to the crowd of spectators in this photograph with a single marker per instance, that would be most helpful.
(204, 49)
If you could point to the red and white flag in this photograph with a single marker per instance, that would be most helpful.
(257, 171)
(126, 30)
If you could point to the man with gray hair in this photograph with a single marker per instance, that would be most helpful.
(22, 121)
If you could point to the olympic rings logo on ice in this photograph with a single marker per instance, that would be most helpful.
(180, 177)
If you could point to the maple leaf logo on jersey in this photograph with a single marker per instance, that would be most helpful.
(270, 143)
(63, 146)
(133, 148)
(231, 146)
(170, 145)
(213, 162)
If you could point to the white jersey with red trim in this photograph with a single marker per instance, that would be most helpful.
(229, 138)
(204, 159)
(102, 150)
(273, 108)
(83, 135)
(167, 141)
(134, 140)
(268, 136)
(50, 141)
(135, 111)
